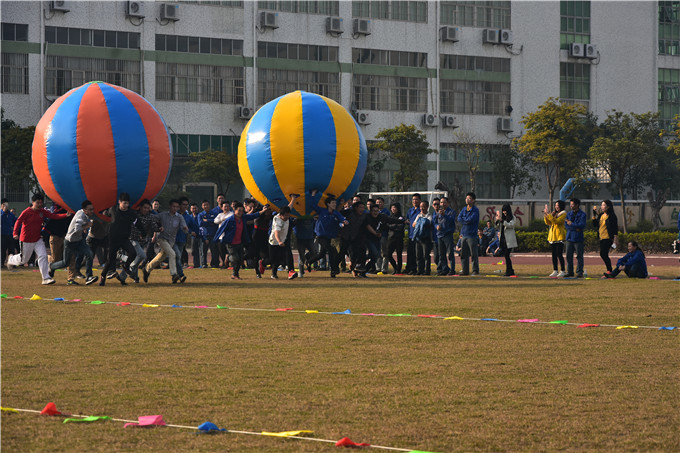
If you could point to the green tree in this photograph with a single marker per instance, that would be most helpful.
(374, 165)
(409, 147)
(17, 166)
(472, 151)
(514, 170)
(674, 143)
(553, 140)
(628, 152)
(214, 166)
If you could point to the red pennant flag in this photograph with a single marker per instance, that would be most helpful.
(347, 442)
(51, 409)
(123, 304)
(589, 325)
(429, 316)
(283, 309)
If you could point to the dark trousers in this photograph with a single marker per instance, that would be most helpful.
(277, 256)
(8, 246)
(446, 255)
(304, 246)
(423, 258)
(325, 247)
(196, 251)
(557, 249)
(114, 246)
(396, 244)
(411, 265)
(373, 245)
(508, 262)
(634, 271)
(571, 247)
(236, 256)
(605, 245)
(99, 248)
(214, 253)
(357, 254)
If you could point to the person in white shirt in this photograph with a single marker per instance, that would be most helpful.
(278, 248)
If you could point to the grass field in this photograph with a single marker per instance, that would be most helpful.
(404, 382)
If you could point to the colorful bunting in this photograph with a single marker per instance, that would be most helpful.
(3, 296)
(147, 420)
(123, 304)
(429, 316)
(666, 328)
(457, 318)
(58, 298)
(626, 327)
(200, 306)
(346, 312)
(283, 309)
(311, 311)
(175, 306)
(219, 306)
(150, 305)
(18, 297)
(489, 319)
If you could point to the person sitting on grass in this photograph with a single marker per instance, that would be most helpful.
(633, 263)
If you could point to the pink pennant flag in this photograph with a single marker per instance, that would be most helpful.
(283, 309)
(147, 420)
(527, 320)
(589, 325)
(200, 306)
(347, 442)
(123, 304)
(428, 316)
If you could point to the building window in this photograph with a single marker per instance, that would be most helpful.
(296, 51)
(234, 4)
(389, 93)
(391, 10)
(574, 22)
(669, 96)
(454, 152)
(329, 8)
(484, 185)
(199, 83)
(183, 144)
(14, 32)
(194, 44)
(96, 38)
(272, 83)
(669, 28)
(64, 73)
(575, 83)
(473, 63)
(483, 14)
(15, 73)
(389, 58)
(474, 97)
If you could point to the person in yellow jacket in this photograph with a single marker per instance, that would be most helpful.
(557, 234)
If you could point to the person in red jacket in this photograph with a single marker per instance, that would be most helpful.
(31, 222)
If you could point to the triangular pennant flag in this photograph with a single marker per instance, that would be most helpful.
(36, 297)
(76, 300)
(367, 314)
(626, 327)
(147, 420)
(666, 328)
(18, 297)
(559, 322)
(58, 298)
(347, 442)
(400, 314)
(200, 306)
(489, 319)
(123, 304)
(3, 296)
(97, 302)
(457, 318)
(90, 419)
(283, 309)
(209, 427)
(51, 409)
(175, 306)
(219, 306)
(311, 311)
(9, 409)
(286, 433)
(429, 316)
(589, 325)
(346, 312)
(527, 320)
(150, 305)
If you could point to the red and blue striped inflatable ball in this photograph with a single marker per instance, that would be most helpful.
(98, 140)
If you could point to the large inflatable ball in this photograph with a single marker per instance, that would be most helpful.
(99, 140)
(301, 143)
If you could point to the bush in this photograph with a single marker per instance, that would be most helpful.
(656, 242)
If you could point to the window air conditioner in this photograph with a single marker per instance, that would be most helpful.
(449, 34)
(134, 9)
(334, 25)
(169, 12)
(361, 26)
(429, 120)
(504, 124)
(269, 19)
(577, 50)
(490, 36)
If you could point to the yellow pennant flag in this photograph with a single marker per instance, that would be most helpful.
(36, 297)
(150, 305)
(9, 409)
(311, 311)
(626, 327)
(457, 318)
(286, 433)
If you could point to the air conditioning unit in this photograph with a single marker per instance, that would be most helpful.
(576, 49)
(245, 112)
(169, 12)
(449, 34)
(429, 120)
(59, 5)
(361, 26)
(134, 9)
(269, 19)
(334, 25)
(504, 124)
(448, 121)
(590, 51)
(505, 36)
(362, 117)
(491, 36)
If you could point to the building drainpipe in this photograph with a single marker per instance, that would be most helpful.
(436, 90)
(42, 59)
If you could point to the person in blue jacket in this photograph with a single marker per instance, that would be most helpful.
(411, 214)
(469, 218)
(444, 227)
(326, 228)
(181, 239)
(633, 263)
(304, 236)
(7, 225)
(207, 228)
(575, 224)
(236, 236)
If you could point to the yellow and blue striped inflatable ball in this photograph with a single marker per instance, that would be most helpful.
(301, 143)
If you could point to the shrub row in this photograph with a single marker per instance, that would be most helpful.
(656, 242)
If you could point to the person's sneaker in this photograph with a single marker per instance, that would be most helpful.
(260, 266)
(554, 274)
(475, 273)
(258, 275)
(71, 282)
(561, 274)
(463, 274)
(608, 275)
(91, 280)
(183, 278)
(676, 279)
(579, 275)
(175, 279)
(274, 277)
(102, 282)
(120, 279)
(236, 277)
(111, 275)
(145, 275)
(48, 281)
(569, 275)
(292, 275)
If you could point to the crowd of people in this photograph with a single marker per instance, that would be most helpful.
(239, 234)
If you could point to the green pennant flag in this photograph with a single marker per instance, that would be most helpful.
(559, 322)
(400, 314)
(90, 419)
(219, 306)
(97, 302)
(4, 296)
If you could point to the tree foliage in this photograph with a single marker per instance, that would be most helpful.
(514, 170)
(553, 140)
(674, 134)
(472, 151)
(409, 147)
(628, 151)
(17, 166)
(374, 165)
(214, 166)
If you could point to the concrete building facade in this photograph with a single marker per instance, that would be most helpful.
(476, 67)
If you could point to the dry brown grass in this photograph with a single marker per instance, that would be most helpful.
(404, 382)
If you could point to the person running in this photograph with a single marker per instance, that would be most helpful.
(632, 263)
(122, 219)
(278, 248)
(171, 222)
(557, 233)
(607, 226)
(30, 222)
(152, 225)
(505, 223)
(75, 246)
(326, 229)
